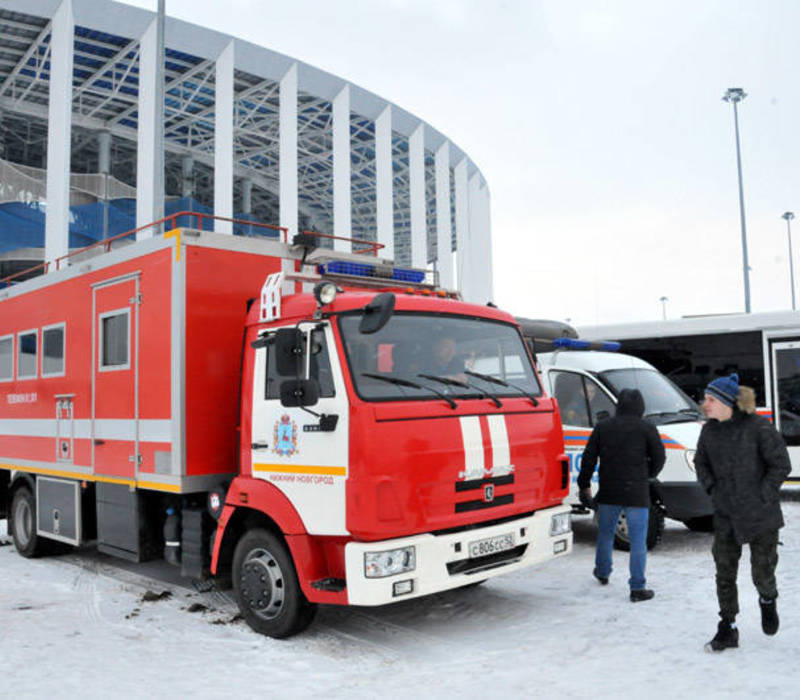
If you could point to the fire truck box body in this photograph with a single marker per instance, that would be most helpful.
(146, 407)
(126, 370)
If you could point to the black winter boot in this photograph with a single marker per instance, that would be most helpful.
(769, 615)
(727, 636)
(640, 594)
(603, 579)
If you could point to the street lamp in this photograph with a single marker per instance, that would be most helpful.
(664, 301)
(735, 96)
(789, 216)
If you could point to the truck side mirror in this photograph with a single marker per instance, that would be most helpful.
(299, 392)
(377, 313)
(288, 351)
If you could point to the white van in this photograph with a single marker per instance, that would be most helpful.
(586, 384)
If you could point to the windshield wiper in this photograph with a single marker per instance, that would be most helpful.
(464, 385)
(682, 415)
(411, 385)
(496, 380)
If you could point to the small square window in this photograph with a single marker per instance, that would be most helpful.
(114, 340)
(53, 350)
(7, 358)
(27, 355)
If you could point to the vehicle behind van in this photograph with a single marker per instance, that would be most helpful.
(586, 384)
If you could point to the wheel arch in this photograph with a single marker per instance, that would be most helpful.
(252, 503)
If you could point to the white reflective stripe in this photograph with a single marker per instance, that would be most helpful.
(105, 429)
(473, 447)
(501, 453)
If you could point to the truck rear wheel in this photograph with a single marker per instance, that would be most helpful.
(266, 586)
(655, 530)
(23, 524)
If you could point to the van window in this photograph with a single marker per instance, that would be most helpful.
(568, 391)
(582, 401)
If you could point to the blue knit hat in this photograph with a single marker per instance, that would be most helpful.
(726, 389)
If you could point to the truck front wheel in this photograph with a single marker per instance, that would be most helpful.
(266, 586)
(23, 523)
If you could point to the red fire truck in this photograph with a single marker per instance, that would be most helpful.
(372, 441)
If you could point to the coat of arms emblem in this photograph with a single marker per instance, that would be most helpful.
(285, 436)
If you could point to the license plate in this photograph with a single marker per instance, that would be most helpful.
(491, 545)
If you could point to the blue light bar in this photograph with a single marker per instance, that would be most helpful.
(577, 344)
(571, 344)
(341, 267)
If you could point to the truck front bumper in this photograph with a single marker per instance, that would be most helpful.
(443, 561)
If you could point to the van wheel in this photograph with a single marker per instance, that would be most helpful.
(655, 530)
(266, 586)
(703, 523)
(23, 524)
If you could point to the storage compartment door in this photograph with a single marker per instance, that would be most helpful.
(115, 438)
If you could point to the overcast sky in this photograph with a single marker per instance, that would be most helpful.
(599, 127)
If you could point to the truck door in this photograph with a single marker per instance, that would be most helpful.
(304, 455)
(786, 397)
(115, 379)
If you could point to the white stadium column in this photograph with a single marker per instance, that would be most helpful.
(416, 173)
(482, 242)
(59, 131)
(462, 223)
(443, 231)
(478, 276)
(223, 140)
(247, 196)
(384, 178)
(287, 161)
(148, 109)
(342, 196)
(187, 176)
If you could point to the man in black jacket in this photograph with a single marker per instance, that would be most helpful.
(741, 461)
(631, 453)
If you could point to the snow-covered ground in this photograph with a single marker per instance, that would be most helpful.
(76, 626)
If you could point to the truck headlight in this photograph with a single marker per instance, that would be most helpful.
(559, 524)
(689, 454)
(390, 562)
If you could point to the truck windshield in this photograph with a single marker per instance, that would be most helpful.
(436, 354)
(663, 401)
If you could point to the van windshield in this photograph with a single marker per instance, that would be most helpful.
(663, 401)
(422, 356)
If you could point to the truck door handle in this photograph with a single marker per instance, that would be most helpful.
(259, 446)
(99, 442)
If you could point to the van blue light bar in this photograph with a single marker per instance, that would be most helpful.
(577, 344)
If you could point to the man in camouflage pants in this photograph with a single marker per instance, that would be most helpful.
(741, 461)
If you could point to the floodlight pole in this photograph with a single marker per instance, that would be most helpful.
(664, 301)
(788, 216)
(159, 164)
(735, 96)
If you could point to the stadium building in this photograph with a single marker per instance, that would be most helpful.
(248, 134)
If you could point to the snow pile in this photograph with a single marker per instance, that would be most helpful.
(82, 624)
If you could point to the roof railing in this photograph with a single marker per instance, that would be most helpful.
(370, 247)
(198, 218)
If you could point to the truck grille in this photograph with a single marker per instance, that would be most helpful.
(490, 561)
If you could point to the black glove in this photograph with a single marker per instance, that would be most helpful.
(585, 497)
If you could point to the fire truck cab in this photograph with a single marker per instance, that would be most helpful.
(362, 443)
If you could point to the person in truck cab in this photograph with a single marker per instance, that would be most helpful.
(630, 453)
